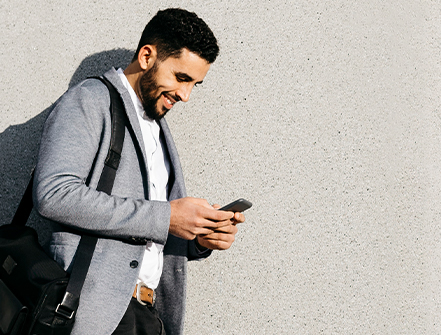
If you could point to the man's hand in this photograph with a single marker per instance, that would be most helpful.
(223, 238)
(191, 217)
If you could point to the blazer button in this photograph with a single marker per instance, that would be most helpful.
(134, 264)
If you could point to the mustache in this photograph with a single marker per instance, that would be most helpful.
(171, 96)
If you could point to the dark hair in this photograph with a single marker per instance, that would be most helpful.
(174, 29)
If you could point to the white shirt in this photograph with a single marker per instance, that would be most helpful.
(158, 165)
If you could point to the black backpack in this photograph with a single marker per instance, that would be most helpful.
(36, 295)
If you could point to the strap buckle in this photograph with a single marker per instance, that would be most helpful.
(64, 312)
(68, 306)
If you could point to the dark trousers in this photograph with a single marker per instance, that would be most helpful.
(140, 320)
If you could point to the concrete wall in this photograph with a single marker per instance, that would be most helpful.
(325, 114)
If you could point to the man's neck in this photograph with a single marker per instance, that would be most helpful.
(133, 72)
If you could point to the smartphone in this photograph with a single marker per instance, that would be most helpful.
(237, 206)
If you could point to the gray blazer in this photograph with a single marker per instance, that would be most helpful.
(73, 148)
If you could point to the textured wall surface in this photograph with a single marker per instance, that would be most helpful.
(325, 114)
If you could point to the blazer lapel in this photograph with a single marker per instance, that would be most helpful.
(177, 185)
(113, 77)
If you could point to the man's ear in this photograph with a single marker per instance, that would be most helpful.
(147, 56)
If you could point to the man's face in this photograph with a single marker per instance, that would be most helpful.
(170, 81)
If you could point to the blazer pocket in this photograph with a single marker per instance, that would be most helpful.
(63, 247)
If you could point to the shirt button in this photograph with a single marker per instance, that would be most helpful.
(134, 264)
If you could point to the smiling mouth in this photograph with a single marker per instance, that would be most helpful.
(169, 101)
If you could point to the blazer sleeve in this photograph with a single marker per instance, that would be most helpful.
(195, 251)
(73, 135)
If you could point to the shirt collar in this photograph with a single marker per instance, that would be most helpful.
(135, 99)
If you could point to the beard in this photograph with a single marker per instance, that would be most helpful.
(148, 88)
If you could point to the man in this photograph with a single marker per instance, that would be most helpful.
(148, 228)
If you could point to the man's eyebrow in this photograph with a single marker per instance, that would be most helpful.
(185, 77)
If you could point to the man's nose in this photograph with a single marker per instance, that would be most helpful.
(184, 92)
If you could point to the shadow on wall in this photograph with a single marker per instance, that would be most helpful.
(19, 143)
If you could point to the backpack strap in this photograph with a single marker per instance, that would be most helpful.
(24, 209)
(67, 308)
(119, 123)
(86, 247)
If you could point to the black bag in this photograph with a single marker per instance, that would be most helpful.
(32, 284)
(36, 295)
